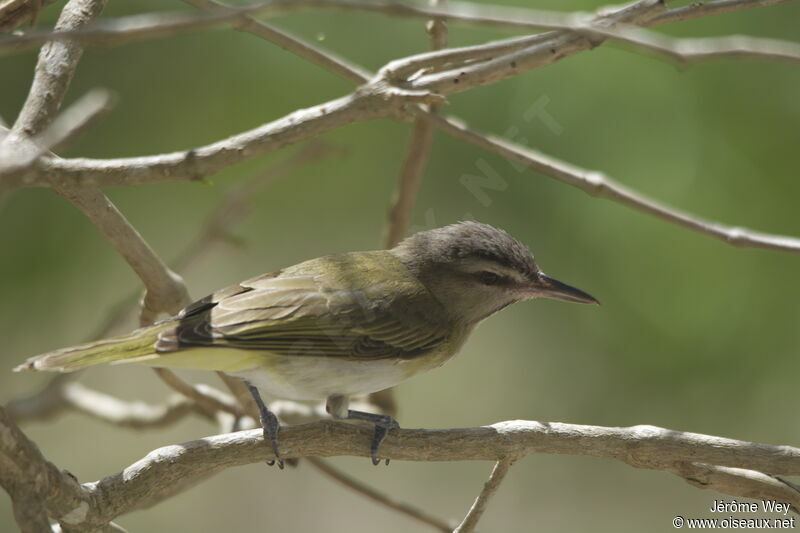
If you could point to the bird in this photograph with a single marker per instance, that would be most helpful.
(340, 325)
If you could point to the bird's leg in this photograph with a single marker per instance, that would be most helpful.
(269, 423)
(337, 407)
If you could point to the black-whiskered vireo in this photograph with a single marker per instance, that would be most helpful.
(340, 325)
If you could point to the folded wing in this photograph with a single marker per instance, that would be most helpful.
(297, 314)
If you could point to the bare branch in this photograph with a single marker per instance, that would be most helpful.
(683, 51)
(44, 404)
(111, 527)
(15, 158)
(133, 28)
(149, 26)
(405, 194)
(739, 482)
(165, 290)
(376, 99)
(236, 205)
(34, 484)
(640, 446)
(74, 119)
(370, 102)
(416, 155)
(597, 184)
(126, 29)
(155, 476)
(54, 70)
(207, 397)
(378, 497)
(705, 9)
(15, 12)
(546, 49)
(134, 415)
(489, 488)
(292, 43)
(61, 395)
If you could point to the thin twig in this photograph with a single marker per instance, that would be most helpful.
(738, 481)
(684, 51)
(288, 41)
(111, 527)
(14, 12)
(378, 497)
(15, 158)
(134, 415)
(489, 488)
(127, 29)
(236, 205)
(150, 26)
(205, 396)
(597, 184)
(545, 50)
(44, 404)
(697, 10)
(416, 155)
(165, 291)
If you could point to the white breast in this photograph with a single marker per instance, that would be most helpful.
(316, 378)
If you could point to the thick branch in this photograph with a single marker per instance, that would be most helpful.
(34, 483)
(372, 102)
(640, 446)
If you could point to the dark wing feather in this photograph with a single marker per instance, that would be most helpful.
(311, 311)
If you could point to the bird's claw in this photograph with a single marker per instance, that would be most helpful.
(271, 436)
(382, 428)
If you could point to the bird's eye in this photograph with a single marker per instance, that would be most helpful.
(489, 278)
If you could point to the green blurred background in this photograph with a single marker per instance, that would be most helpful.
(693, 335)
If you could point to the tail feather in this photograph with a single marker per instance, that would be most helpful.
(135, 344)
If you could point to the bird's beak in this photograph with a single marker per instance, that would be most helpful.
(547, 287)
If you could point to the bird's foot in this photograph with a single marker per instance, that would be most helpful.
(271, 427)
(383, 423)
(270, 424)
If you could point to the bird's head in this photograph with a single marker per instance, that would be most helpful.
(475, 270)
